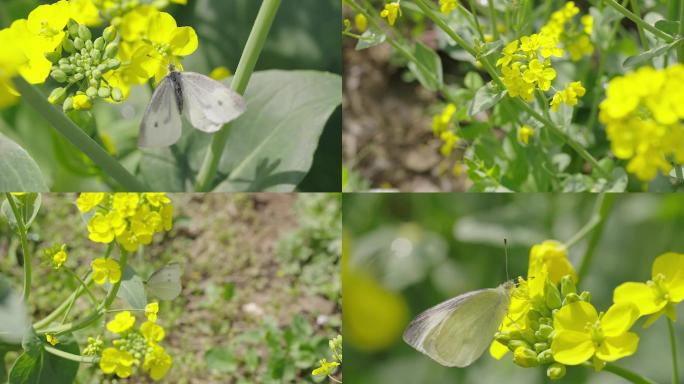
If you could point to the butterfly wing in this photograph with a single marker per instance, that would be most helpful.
(456, 332)
(165, 283)
(161, 124)
(208, 103)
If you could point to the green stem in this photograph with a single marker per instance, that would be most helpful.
(640, 29)
(637, 20)
(473, 11)
(23, 236)
(76, 136)
(673, 345)
(624, 373)
(82, 284)
(680, 48)
(248, 60)
(678, 170)
(71, 356)
(604, 203)
(492, 19)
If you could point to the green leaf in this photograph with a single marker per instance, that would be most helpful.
(429, 68)
(485, 98)
(18, 171)
(271, 147)
(132, 289)
(36, 366)
(668, 26)
(643, 58)
(370, 38)
(221, 359)
(14, 321)
(473, 81)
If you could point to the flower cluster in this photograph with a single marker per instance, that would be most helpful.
(54, 40)
(135, 347)
(328, 368)
(526, 62)
(576, 39)
(447, 6)
(441, 127)
(643, 119)
(132, 219)
(57, 255)
(391, 12)
(550, 324)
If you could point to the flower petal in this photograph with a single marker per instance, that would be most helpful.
(640, 295)
(183, 41)
(671, 265)
(161, 28)
(497, 350)
(575, 316)
(619, 319)
(614, 348)
(572, 348)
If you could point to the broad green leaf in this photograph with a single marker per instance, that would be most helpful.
(18, 171)
(603, 25)
(271, 147)
(643, 58)
(370, 38)
(428, 70)
(37, 366)
(473, 81)
(132, 289)
(14, 320)
(485, 98)
(668, 26)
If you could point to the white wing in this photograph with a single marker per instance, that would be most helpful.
(161, 125)
(208, 103)
(456, 332)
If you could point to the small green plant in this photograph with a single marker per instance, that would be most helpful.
(328, 368)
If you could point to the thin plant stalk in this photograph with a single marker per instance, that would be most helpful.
(77, 137)
(248, 60)
(601, 211)
(23, 236)
(673, 346)
(638, 21)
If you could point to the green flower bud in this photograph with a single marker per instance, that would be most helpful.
(546, 321)
(88, 45)
(72, 26)
(551, 295)
(78, 76)
(515, 344)
(539, 347)
(567, 285)
(104, 92)
(96, 73)
(84, 32)
(95, 53)
(63, 61)
(68, 45)
(79, 44)
(111, 50)
(528, 336)
(56, 97)
(68, 104)
(113, 63)
(53, 56)
(525, 357)
(116, 94)
(543, 333)
(109, 34)
(555, 371)
(571, 298)
(585, 296)
(58, 75)
(91, 92)
(545, 357)
(502, 337)
(93, 83)
(99, 43)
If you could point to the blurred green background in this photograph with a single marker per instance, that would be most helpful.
(405, 253)
(305, 36)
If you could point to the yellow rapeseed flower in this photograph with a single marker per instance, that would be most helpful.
(447, 6)
(157, 363)
(88, 200)
(82, 102)
(570, 95)
(170, 42)
(52, 339)
(116, 361)
(391, 12)
(524, 134)
(325, 368)
(151, 310)
(540, 73)
(125, 203)
(59, 258)
(104, 269)
(103, 228)
(48, 21)
(12, 58)
(450, 140)
(442, 121)
(659, 295)
(122, 322)
(220, 73)
(552, 255)
(153, 333)
(360, 22)
(580, 333)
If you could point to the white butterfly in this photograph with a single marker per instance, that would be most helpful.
(207, 104)
(456, 332)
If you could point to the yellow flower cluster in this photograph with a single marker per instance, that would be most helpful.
(125, 356)
(524, 134)
(569, 95)
(548, 323)
(447, 6)
(575, 39)
(33, 48)
(643, 116)
(441, 124)
(131, 219)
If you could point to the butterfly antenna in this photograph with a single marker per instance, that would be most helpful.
(506, 255)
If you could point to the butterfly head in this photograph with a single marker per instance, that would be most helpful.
(172, 68)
